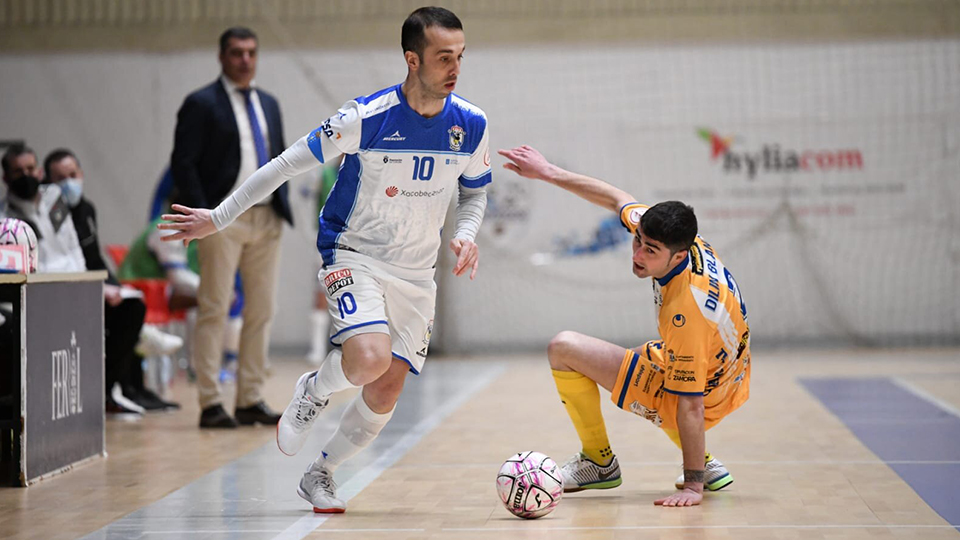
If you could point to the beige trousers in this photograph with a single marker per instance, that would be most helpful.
(252, 245)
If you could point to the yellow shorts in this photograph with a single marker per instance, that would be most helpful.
(639, 387)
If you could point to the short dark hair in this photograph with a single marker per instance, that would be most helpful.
(671, 223)
(13, 152)
(412, 36)
(236, 32)
(54, 157)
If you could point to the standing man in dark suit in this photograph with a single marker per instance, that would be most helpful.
(225, 132)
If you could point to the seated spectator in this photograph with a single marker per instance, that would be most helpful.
(62, 168)
(150, 257)
(43, 208)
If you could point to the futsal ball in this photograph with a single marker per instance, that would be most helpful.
(18, 233)
(530, 484)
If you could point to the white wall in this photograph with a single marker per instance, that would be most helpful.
(868, 255)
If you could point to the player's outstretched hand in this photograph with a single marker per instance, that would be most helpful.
(468, 256)
(528, 163)
(191, 223)
(687, 497)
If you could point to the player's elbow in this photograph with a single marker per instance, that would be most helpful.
(691, 406)
(622, 199)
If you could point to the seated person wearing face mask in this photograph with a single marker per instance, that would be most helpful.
(43, 208)
(124, 313)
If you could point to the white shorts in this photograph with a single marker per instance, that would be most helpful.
(368, 296)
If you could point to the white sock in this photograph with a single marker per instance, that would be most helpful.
(330, 377)
(359, 426)
(320, 335)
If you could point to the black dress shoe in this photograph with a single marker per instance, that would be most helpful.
(257, 414)
(215, 417)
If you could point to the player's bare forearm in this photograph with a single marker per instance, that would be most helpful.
(530, 163)
(693, 440)
(691, 427)
(594, 190)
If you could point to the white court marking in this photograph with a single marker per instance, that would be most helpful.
(926, 396)
(677, 463)
(231, 531)
(688, 527)
(307, 524)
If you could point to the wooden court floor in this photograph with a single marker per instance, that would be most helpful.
(800, 470)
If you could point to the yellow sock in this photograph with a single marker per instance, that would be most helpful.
(675, 437)
(581, 398)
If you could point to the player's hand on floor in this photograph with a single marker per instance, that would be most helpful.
(191, 223)
(687, 497)
(527, 162)
(468, 256)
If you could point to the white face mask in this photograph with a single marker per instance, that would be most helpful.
(72, 191)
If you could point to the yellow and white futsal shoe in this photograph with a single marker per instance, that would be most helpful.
(580, 473)
(715, 476)
(294, 426)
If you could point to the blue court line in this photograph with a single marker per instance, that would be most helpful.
(898, 425)
(254, 497)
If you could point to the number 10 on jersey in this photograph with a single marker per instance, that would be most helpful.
(347, 305)
(422, 168)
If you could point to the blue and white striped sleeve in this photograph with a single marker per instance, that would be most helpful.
(339, 134)
(478, 173)
(295, 160)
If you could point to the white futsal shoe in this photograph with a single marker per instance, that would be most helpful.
(294, 426)
(715, 476)
(580, 473)
(318, 488)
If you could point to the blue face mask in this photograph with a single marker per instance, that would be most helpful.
(72, 191)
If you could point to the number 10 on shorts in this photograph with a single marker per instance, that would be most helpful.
(347, 305)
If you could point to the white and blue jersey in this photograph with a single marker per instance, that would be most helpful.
(398, 175)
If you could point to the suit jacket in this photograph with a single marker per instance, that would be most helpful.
(206, 148)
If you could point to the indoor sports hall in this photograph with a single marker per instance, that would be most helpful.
(818, 142)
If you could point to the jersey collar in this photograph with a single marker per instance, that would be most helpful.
(425, 122)
(676, 270)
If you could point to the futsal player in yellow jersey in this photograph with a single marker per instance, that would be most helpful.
(685, 382)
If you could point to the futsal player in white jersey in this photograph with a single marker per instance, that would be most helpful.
(407, 149)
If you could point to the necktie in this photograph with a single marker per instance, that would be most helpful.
(258, 142)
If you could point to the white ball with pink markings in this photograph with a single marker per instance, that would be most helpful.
(530, 485)
(19, 233)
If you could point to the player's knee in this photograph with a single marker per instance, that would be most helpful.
(371, 364)
(561, 347)
(365, 364)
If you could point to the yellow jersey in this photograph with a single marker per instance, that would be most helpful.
(702, 321)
